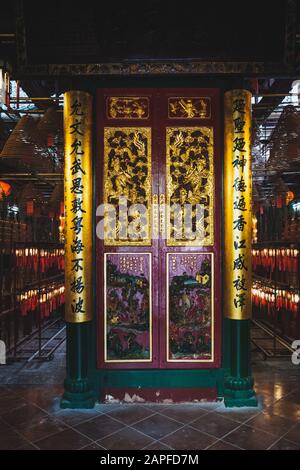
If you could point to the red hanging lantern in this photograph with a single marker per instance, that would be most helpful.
(62, 208)
(279, 202)
(5, 189)
(29, 208)
(289, 196)
(50, 140)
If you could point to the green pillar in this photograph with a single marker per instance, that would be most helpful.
(238, 386)
(78, 388)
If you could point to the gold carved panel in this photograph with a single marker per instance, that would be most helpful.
(189, 108)
(190, 186)
(127, 107)
(127, 186)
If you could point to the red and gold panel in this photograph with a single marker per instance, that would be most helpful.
(190, 185)
(127, 107)
(188, 107)
(190, 307)
(127, 307)
(127, 185)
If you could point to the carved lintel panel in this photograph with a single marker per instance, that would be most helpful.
(190, 186)
(190, 307)
(144, 68)
(189, 108)
(127, 107)
(127, 186)
(127, 307)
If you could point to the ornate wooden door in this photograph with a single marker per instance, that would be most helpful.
(158, 264)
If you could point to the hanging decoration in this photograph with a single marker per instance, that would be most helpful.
(49, 299)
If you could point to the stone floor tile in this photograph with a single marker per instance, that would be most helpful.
(126, 439)
(157, 426)
(188, 438)
(250, 438)
(68, 439)
(99, 427)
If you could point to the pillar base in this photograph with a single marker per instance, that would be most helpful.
(231, 402)
(78, 400)
(78, 394)
(238, 391)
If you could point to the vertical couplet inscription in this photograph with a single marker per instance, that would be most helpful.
(78, 205)
(237, 205)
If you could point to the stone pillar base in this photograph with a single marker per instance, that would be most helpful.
(238, 391)
(231, 402)
(78, 400)
(77, 394)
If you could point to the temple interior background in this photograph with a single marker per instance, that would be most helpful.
(32, 219)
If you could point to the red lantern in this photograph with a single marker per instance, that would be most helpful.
(5, 189)
(289, 196)
(50, 140)
(279, 202)
(29, 207)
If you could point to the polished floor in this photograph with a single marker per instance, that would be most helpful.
(30, 416)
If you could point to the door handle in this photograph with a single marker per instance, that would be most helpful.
(158, 215)
(155, 216)
(162, 215)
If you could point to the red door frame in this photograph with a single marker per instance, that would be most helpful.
(158, 121)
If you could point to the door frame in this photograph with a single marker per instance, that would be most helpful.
(159, 319)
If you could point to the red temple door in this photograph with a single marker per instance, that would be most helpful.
(158, 262)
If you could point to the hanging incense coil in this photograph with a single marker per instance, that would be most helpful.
(285, 140)
(56, 198)
(30, 195)
(51, 122)
(25, 149)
